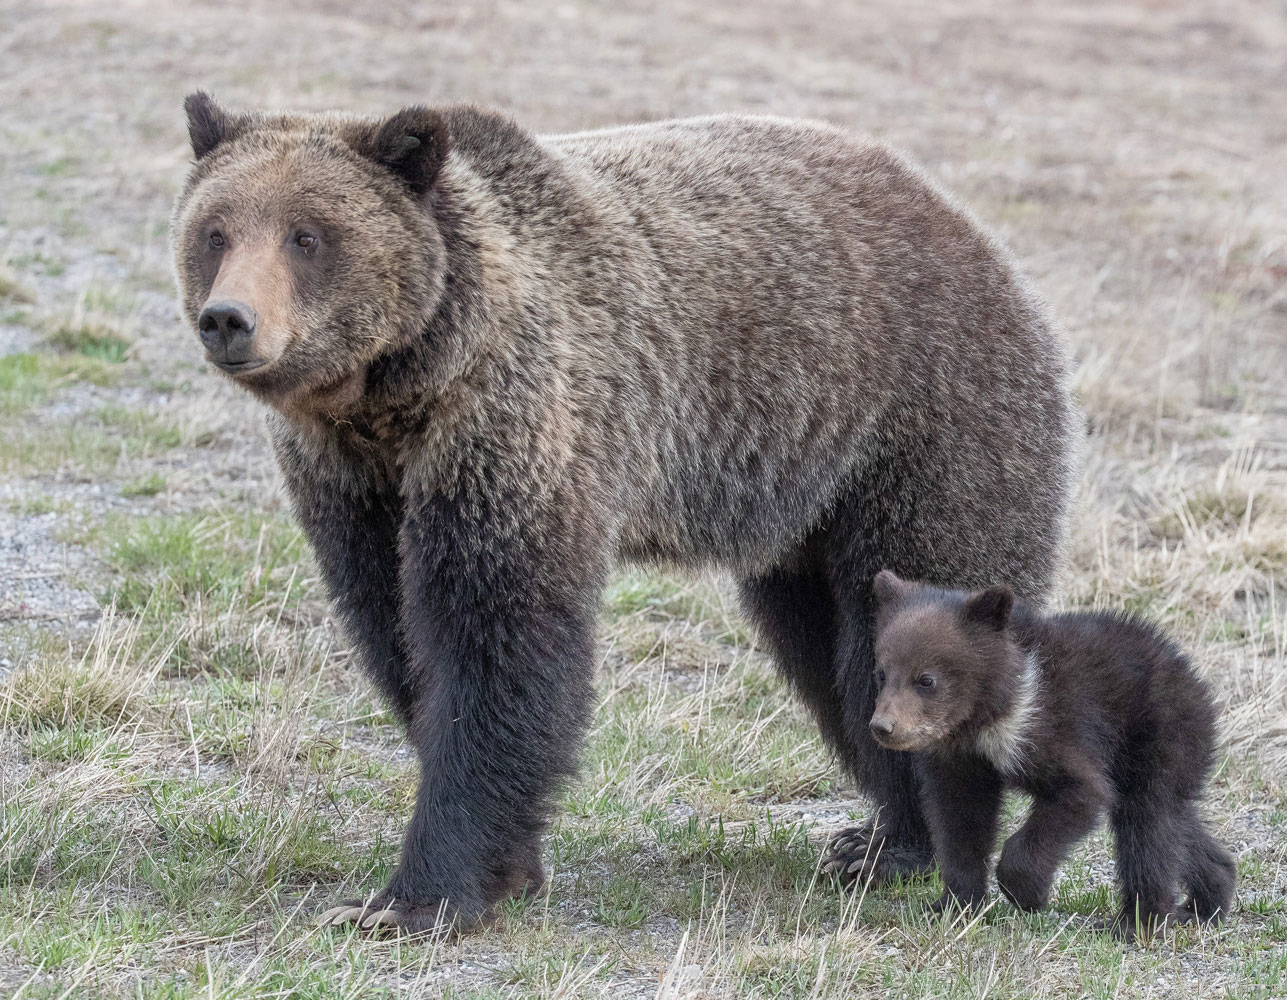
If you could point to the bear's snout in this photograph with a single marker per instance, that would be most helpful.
(227, 329)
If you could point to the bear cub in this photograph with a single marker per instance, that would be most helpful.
(1087, 713)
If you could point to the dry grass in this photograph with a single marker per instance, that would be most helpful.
(186, 780)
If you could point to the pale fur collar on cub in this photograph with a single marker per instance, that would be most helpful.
(1005, 741)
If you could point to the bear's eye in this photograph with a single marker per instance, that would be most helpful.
(879, 677)
(216, 240)
(925, 681)
(305, 240)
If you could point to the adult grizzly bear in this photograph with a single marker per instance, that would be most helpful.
(498, 363)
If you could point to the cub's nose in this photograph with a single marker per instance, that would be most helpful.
(881, 726)
(227, 328)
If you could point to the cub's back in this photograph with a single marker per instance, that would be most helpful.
(1119, 678)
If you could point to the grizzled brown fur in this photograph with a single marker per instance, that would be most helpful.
(499, 363)
(1087, 712)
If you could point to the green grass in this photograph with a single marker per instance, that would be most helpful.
(39, 262)
(210, 772)
(92, 445)
(144, 486)
(34, 504)
(89, 338)
(1208, 509)
(27, 380)
(212, 769)
(167, 564)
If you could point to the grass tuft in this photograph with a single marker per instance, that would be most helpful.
(105, 684)
(90, 339)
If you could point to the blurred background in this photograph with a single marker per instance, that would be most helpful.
(189, 765)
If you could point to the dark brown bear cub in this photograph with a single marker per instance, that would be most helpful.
(1085, 712)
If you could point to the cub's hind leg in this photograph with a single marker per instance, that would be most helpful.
(1152, 840)
(1207, 872)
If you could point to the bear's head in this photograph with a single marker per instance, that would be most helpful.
(947, 665)
(305, 245)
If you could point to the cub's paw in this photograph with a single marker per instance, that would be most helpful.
(1027, 888)
(861, 854)
(388, 916)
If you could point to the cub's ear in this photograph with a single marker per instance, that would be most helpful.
(412, 144)
(890, 588)
(991, 607)
(208, 124)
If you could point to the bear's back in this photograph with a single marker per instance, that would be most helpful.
(756, 307)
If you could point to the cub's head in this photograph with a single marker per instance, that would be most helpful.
(946, 664)
(305, 245)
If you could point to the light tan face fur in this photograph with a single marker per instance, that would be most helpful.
(257, 274)
(335, 258)
(924, 694)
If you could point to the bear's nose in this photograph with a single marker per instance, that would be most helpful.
(882, 726)
(227, 328)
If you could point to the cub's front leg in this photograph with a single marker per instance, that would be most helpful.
(962, 797)
(1061, 815)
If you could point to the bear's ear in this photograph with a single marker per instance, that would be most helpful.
(890, 588)
(208, 124)
(412, 144)
(991, 607)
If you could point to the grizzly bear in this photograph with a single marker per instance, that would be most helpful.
(1085, 712)
(498, 363)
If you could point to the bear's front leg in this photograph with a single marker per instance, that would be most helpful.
(962, 796)
(350, 509)
(499, 604)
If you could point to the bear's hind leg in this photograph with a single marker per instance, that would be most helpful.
(936, 504)
(1208, 872)
(1152, 838)
(797, 613)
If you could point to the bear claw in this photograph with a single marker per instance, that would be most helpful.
(386, 917)
(377, 916)
(860, 854)
(345, 913)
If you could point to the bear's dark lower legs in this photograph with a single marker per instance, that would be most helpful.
(796, 612)
(1152, 841)
(498, 725)
(962, 806)
(895, 842)
(351, 513)
(1032, 855)
(498, 629)
(1207, 871)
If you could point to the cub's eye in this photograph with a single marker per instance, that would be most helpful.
(216, 240)
(926, 682)
(305, 240)
(879, 677)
